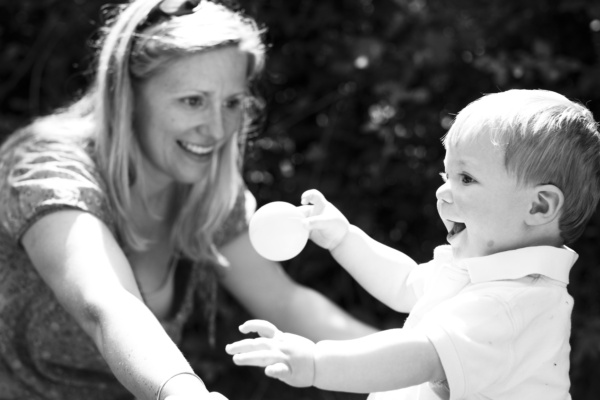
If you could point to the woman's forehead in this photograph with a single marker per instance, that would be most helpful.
(220, 69)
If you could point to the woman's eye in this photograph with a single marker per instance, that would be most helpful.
(195, 101)
(234, 103)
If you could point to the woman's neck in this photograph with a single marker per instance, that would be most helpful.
(152, 208)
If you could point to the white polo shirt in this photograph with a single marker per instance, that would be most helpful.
(500, 324)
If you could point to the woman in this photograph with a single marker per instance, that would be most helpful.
(118, 210)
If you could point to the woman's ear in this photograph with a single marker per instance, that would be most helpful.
(546, 205)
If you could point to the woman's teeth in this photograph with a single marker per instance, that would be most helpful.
(196, 148)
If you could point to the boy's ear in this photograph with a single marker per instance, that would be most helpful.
(546, 205)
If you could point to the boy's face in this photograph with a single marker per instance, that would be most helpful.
(480, 204)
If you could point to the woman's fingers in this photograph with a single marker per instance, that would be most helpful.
(216, 396)
(210, 396)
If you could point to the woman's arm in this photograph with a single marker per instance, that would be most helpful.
(269, 293)
(79, 259)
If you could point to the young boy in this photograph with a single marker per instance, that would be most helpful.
(490, 314)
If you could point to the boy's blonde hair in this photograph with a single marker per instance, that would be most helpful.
(546, 139)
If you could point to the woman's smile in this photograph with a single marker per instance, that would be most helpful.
(188, 113)
(199, 151)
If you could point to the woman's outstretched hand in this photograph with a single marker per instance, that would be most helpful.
(287, 357)
(328, 226)
(210, 396)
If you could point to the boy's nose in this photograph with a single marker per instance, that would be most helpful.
(443, 193)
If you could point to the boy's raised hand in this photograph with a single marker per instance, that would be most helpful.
(287, 357)
(328, 226)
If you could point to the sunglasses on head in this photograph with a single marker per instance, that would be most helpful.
(168, 8)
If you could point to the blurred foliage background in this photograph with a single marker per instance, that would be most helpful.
(358, 95)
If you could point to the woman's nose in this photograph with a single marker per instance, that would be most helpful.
(224, 122)
(217, 125)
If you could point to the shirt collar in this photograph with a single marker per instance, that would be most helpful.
(553, 262)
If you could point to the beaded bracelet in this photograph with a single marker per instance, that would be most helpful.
(159, 392)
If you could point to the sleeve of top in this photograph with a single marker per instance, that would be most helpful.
(238, 219)
(473, 336)
(44, 177)
(420, 278)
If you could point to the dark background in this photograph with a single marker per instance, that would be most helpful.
(358, 95)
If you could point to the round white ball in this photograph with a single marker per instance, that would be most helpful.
(277, 232)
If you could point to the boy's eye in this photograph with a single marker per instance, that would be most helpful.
(466, 179)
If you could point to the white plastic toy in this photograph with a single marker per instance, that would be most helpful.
(277, 231)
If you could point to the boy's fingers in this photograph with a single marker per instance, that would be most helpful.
(317, 222)
(313, 196)
(263, 328)
(247, 345)
(306, 197)
(314, 222)
(279, 371)
(261, 358)
(306, 210)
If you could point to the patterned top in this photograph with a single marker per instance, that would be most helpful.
(44, 354)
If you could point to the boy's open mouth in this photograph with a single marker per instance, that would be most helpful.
(457, 228)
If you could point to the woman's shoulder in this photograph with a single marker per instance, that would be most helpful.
(48, 140)
(238, 219)
(44, 168)
(74, 132)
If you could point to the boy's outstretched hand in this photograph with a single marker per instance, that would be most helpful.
(287, 357)
(328, 226)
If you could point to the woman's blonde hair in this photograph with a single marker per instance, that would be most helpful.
(546, 139)
(127, 54)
